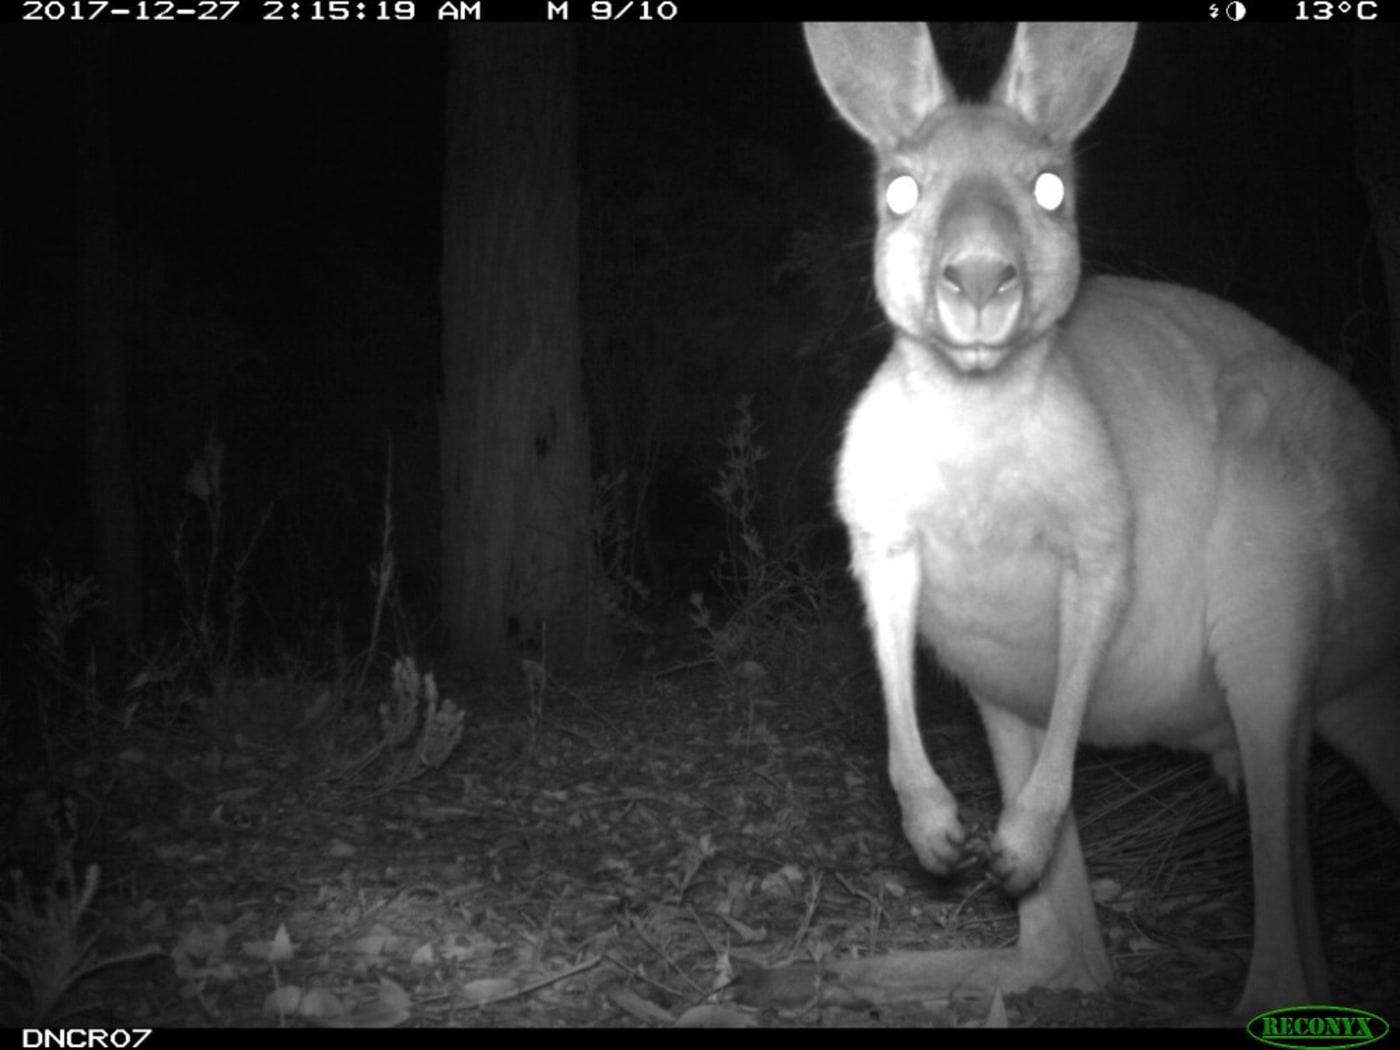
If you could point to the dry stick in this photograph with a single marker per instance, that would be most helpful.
(533, 986)
(544, 982)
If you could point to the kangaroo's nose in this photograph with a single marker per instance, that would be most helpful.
(980, 278)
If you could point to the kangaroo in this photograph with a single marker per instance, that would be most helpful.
(1116, 510)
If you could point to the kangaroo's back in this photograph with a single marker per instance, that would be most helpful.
(1113, 508)
(1218, 420)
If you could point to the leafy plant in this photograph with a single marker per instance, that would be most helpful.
(42, 941)
(211, 637)
(62, 603)
(417, 731)
(777, 603)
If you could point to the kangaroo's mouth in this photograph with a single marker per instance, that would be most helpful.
(970, 359)
(977, 359)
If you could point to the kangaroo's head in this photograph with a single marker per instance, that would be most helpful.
(977, 251)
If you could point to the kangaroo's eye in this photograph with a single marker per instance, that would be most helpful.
(1049, 190)
(902, 194)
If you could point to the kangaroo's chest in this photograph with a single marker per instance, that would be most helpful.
(992, 546)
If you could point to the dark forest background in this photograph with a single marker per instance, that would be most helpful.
(234, 236)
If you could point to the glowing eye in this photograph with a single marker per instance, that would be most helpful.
(1049, 190)
(902, 194)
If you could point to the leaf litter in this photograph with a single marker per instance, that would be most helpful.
(654, 852)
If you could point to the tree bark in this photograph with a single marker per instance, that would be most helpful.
(517, 540)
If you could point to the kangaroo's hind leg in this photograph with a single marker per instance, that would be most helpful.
(1364, 726)
(1265, 626)
(1060, 944)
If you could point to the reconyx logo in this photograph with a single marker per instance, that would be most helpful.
(1316, 1027)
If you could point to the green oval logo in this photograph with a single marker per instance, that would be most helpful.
(1313, 1027)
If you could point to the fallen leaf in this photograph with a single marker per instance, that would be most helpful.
(996, 1016)
(282, 1002)
(746, 933)
(488, 988)
(642, 1009)
(320, 1004)
(374, 943)
(201, 941)
(277, 950)
(375, 1017)
(709, 1015)
(392, 995)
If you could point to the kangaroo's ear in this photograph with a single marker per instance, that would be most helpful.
(1060, 74)
(883, 77)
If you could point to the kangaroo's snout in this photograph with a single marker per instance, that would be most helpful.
(978, 291)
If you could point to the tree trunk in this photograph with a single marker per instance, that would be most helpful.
(116, 546)
(517, 542)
